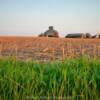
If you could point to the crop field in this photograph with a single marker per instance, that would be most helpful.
(71, 70)
(48, 48)
(72, 79)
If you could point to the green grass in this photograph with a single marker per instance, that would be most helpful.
(73, 79)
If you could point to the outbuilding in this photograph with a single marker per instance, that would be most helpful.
(76, 35)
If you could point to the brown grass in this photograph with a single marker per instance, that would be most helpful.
(44, 48)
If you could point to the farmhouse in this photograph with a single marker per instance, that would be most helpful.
(50, 33)
(76, 35)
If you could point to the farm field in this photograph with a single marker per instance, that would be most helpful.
(71, 70)
(47, 49)
(72, 79)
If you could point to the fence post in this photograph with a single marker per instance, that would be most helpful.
(82, 50)
(98, 48)
(72, 52)
(94, 50)
(63, 53)
(53, 56)
(16, 50)
(0, 50)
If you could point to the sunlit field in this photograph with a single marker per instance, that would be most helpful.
(74, 79)
(45, 48)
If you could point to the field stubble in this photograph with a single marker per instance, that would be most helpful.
(48, 48)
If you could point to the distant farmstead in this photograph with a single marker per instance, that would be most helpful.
(50, 33)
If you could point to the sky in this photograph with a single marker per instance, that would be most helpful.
(32, 17)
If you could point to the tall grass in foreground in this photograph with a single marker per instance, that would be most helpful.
(73, 79)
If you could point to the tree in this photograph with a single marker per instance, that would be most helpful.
(88, 35)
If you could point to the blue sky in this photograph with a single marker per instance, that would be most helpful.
(31, 17)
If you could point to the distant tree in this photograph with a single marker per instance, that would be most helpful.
(88, 35)
(41, 35)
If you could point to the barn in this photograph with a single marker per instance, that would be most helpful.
(50, 33)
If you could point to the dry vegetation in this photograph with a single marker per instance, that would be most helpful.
(73, 79)
(48, 48)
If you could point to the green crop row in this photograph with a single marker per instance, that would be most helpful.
(72, 79)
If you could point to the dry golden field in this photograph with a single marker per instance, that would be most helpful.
(44, 48)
